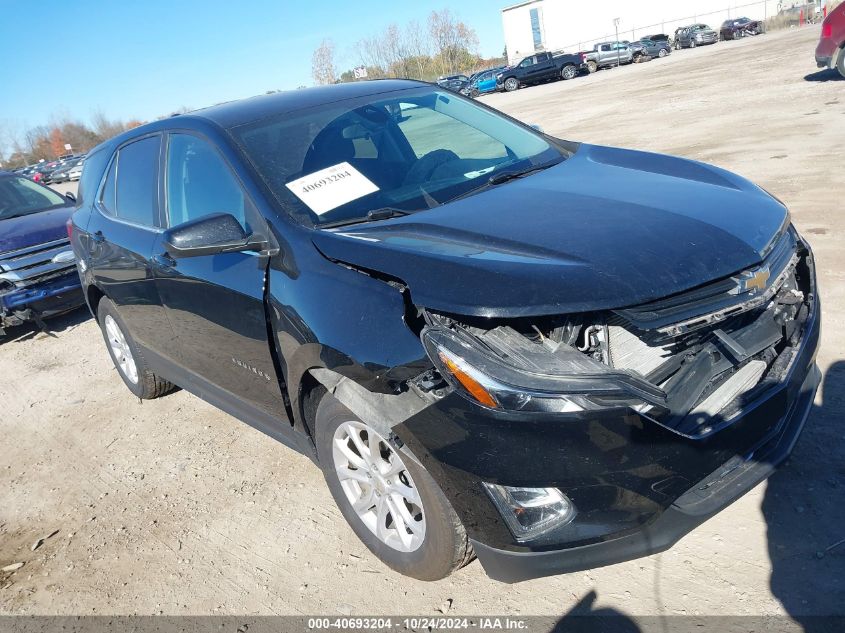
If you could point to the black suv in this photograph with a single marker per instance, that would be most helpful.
(493, 342)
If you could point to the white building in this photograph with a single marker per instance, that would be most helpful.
(572, 26)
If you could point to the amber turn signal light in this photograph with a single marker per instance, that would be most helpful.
(473, 387)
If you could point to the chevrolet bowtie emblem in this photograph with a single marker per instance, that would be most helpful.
(754, 280)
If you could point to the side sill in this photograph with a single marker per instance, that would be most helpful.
(276, 428)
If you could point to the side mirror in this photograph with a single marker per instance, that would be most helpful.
(211, 235)
(69, 195)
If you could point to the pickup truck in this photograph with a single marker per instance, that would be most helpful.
(493, 342)
(607, 55)
(539, 68)
(38, 276)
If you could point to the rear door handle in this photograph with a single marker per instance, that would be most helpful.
(165, 260)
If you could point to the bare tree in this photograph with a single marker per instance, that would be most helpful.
(104, 127)
(452, 39)
(418, 47)
(323, 68)
(372, 55)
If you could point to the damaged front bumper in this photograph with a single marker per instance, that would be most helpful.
(708, 497)
(45, 300)
(639, 481)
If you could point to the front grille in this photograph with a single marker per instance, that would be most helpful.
(707, 369)
(31, 266)
(716, 301)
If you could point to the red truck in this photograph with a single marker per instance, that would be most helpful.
(830, 53)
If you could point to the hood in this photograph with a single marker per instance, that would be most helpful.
(34, 229)
(607, 228)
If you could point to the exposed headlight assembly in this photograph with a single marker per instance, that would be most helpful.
(533, 377)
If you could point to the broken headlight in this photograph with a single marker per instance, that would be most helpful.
(512, 374)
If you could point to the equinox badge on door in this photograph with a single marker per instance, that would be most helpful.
(249, 367)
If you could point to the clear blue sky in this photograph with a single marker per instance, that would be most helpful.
(145, 59)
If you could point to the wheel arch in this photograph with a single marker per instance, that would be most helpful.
(93, 296)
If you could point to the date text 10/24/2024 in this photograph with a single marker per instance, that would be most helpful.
(418, 623)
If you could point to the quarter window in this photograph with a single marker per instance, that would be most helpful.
(107, 197)
(199, 182)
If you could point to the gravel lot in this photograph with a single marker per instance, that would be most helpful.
(173, 507)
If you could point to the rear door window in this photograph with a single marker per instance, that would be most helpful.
(136, 191)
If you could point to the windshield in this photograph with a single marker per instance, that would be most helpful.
(407, 151)
(20, 196)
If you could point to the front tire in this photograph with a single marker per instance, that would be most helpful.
(592, 67)
(692, 44)
(389, 500)
(511, 84)
(127, 356)
(662, 52)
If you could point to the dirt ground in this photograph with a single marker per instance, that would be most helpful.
(173, 507)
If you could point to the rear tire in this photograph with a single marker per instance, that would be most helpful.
(840, 63)
(127, 356)
(568, 72)
(511, 84)
(428, 542)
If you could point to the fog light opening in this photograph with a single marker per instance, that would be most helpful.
(531, 512)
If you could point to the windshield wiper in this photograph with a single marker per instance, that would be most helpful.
(501, 178)
(385, 213)
(506, 176)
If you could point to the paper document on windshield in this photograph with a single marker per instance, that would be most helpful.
(331, 187)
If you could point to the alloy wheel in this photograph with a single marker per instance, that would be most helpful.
(121, 350)
(378, 486)
(511, 84)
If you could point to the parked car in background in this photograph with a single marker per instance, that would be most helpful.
(741, 27)
(76, 171)
(520, 358)
(62, 172)
(658, 37)
(483, 82)
(638, 50)
(607, 55)
(455, 83)
(830, 52)
(38, 277)
(656, 48)
(540, 68)
(696, 35)
(44, 172)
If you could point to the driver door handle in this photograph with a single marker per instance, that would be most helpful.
(165, 260)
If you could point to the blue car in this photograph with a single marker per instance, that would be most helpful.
(482, 83)
(38, 277)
